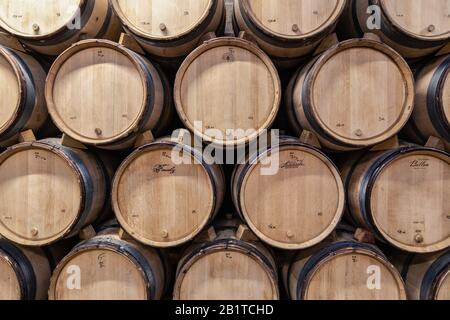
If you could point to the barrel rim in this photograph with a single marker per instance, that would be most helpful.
(50, 84)
(15, 269)
(248, 169)
(81, 5)
(136, 31)
(443, 277)
(404, 69)
(123, 168)
(224, 42)
(324, 28)
(24, 146)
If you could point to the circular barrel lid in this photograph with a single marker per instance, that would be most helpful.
(98, 274)
(162, 19)
(159, 202)
(298, 205)
(293, 19)
(225, 274)
(40, 194)
(10, 89)
(422, 19)
(351, 274)
(29, 19)
(97, 92)
(409, 201)
(227, 91)
(9, 281)
(443, 286)
(361, 92)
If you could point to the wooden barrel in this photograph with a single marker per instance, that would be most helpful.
(227, 91)
(401, 195)
(288, 30)
(227, 268)
(24, 272)
(304, 189)
(431, 116)
(358, 93)
(49, 192)
(22, 103)
(427, 277)
(100, 93)
(51, 26)
(107, 267)
(415, 29)
(163, 202)
(170, 30)
(343, 269)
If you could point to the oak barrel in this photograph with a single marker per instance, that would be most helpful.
(22, 103)
(431, 116)
(297, 204)
(288, 30)
(413, 28)
(227, 268)
(342, 268)
(427, 277)
(24, 272)
(170, 29)
(165, 202)
(401, 195)
(49, 192)
(51, 26)
(227, 91)
(108, 267)
(100, 93)
(358, 93)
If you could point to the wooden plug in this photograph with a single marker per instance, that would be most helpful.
(27, 136)
(310, 138)
(207, 37)
(435, 143)
(207, 235)
(144, 138)
(123, 235)
(245, 234)
(326, 44)
(9, 41)
(67, 141)
(364, 236)
(389, 144)
(87, 233)
(372, 36)
(129, 42)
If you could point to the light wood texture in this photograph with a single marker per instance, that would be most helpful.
(170, 29)
(46, 189)
(22, 105)
(296, 207)
(48, 26)
(227, 269)
(299, 24)
(227, 84)
(162, 202)
(108, 270)
(405, 200)
(344, 273)
(357, 94)
(101, 93)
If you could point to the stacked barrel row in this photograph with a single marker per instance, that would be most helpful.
(351, 211)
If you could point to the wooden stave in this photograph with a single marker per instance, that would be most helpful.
(301, 117)
(352, 25)
(86, 166)
(215, 173)
(58, 41)
(238, 177)
(428, 118)
(210, 44)
(225, 239)
(284, 52)
(173, 50)
(341, 242)
(155, 116)
(31, 112)
(151, 262)
(354, 173)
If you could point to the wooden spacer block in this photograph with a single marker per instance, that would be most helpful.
(207, 235)
(145, 138)
(326, 44)
(27, 136)
(245, 234)
(129, 42)
(364, 236)
(310, 138)
(9, 41)
(389, 144)
(72, 143)
(87, 233)
(207, 36)
(124, 235)
(247, 36)
(444, 51)
(183, 137)
(372, 36)
(436, 143)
